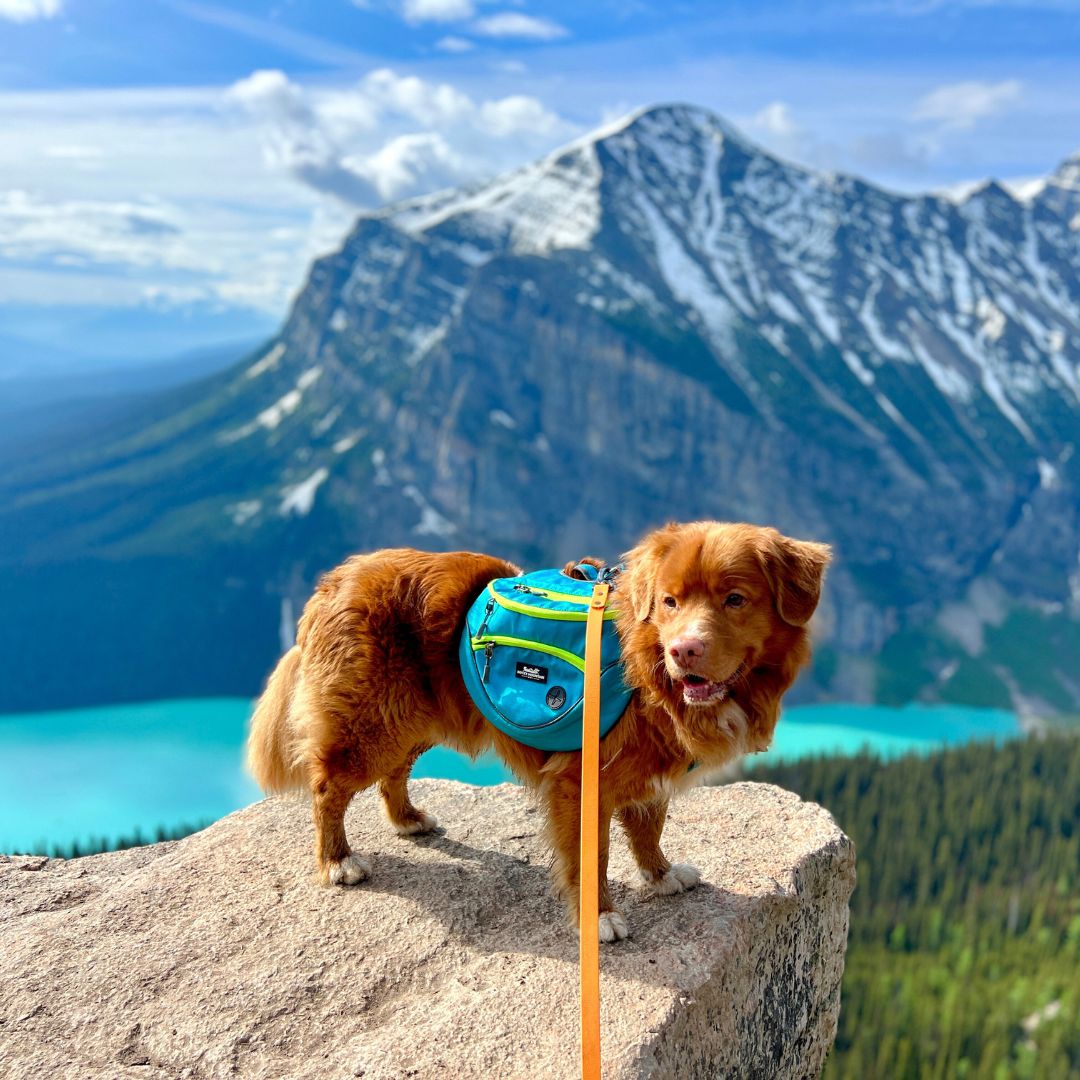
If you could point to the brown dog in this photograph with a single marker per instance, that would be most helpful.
(712, 619)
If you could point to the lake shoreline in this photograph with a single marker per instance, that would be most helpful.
(91, 774)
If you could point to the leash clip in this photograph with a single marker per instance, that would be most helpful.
(610, 573)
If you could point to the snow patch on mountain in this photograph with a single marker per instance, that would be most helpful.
(993, 319)
(422, 339)
(1048, 474)
(327, 421)
(300, 498)
(267, 362)
(242, 512)
(431, 523)
(378, 460)
(347, 442)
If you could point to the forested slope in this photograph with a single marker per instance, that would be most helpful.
(964, 955)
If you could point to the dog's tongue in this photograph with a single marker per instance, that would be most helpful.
(695, 688)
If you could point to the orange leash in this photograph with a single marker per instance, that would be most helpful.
(588, 874)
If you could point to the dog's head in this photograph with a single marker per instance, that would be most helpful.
(725, 606)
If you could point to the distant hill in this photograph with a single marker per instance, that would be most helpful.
(39, 341)
(660, 321)
(46, 408)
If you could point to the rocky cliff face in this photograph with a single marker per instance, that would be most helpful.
(660, 321)
(219, 955)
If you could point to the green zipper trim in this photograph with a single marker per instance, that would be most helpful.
(541, 613)
(536, 646)
(568, 598)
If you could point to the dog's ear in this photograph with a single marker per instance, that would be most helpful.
(642, 563)
(795, 570)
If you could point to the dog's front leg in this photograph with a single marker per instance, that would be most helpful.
(563, 797)
(643, 823)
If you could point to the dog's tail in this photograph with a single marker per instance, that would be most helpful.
(271, 750)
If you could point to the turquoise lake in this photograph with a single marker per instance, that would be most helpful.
(90, 773)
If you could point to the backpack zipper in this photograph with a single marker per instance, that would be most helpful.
(489, 648)
(488, 645)
(541, 613)
(488, 609)
(548, 594)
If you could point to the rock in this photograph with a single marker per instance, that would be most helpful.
(219, 954)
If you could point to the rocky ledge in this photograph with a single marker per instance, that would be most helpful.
(219, 955)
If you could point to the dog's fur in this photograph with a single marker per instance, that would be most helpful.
(373, 682)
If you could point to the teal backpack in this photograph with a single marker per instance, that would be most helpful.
(522, 658)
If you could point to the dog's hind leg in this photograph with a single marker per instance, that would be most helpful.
(643, 823)
(408, 820)
(331, 794)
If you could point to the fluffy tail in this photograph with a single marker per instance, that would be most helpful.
(270, 749)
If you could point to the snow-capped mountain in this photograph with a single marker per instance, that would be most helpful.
(659, 321)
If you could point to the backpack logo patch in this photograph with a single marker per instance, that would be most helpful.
(556, 698)
(531, 672)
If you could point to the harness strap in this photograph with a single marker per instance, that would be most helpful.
(588, 872)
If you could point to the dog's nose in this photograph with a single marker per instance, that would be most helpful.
(687, 651)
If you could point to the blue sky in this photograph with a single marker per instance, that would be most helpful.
(191, 155)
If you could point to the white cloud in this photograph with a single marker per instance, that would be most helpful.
(418, 11)
(514, 24)
(249, 183)
(778, 130)
(28, 10)
(776, 119)
(517, 113)
(294, 138)
(429, 103)
(78, 251)
(362, 145)
(78, 227)
(75, 231)
(455, 44)
(411, 164)
(959, 106)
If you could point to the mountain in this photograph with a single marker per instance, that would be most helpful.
(658, 321)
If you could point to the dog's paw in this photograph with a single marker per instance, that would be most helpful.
(350, 871)
(613, 926)
(422, 823)
(679, 878)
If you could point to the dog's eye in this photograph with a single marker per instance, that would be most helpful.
(735, 600)
(671, 602)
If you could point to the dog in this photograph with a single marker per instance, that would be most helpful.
(712, 618)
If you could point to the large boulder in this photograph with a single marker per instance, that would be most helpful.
(219, 955)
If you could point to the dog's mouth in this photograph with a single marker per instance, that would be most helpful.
(697, 690)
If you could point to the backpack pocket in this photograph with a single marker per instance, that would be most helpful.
(531, 685)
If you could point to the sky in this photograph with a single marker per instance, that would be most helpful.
(185, 160)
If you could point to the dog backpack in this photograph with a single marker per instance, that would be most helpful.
(522, 658)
